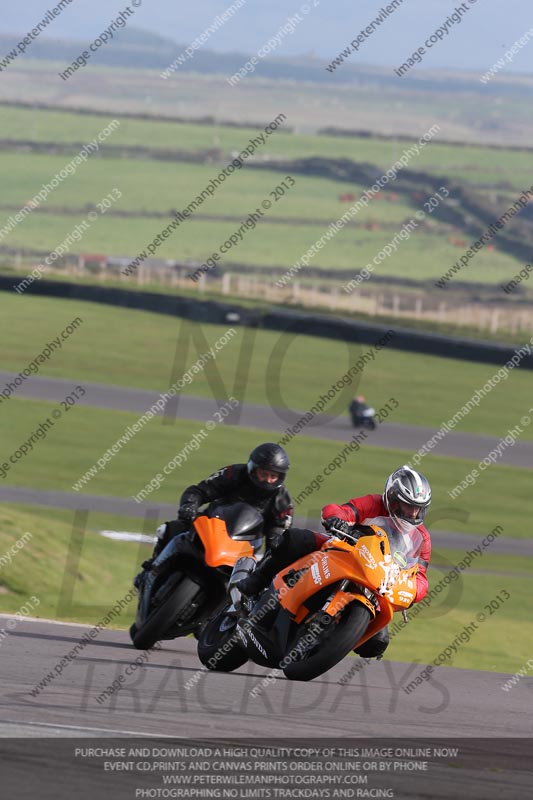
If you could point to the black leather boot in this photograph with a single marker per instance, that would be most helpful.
(260, 577)
(160, 543)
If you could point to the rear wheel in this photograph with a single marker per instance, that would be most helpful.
(158, 622)
(319, 644)
(218, 647)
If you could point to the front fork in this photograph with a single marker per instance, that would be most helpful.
(343, 595)
(342, 588)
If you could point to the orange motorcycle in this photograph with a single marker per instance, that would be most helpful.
(187, 582)
(321, 606)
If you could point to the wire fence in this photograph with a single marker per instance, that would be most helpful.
(382, 300)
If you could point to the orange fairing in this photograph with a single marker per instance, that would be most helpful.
(220, 548)
(368, 563)
(324, 567)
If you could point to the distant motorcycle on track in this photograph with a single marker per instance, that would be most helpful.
(362, 416)
(366, 419)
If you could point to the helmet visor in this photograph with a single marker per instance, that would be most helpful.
(267, 476)
(266, 479)
(408, 512)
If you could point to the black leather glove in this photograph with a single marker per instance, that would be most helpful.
(337, 525)
(188, 511)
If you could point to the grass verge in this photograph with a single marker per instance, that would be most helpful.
(137, 349)
(76, 441)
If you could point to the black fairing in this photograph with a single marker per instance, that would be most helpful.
(183, 554)
(261, 646)
(364, 530)
(244, 523)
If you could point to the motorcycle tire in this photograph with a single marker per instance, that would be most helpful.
(157, 623)
(334, 642)
(219, 650)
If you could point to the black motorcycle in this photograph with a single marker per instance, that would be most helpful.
(187, 582)
(364, 418)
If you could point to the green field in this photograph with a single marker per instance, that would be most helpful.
(152, 186)
(493, 646)
(280, 246)
(43, 569)
(167, 185)
(472, 164)
(137, 349)
(82, 435)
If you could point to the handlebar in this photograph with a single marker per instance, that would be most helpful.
(343, 535)
(357, 532)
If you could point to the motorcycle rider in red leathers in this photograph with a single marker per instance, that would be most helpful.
(406, 498)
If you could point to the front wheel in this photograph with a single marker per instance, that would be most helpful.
(317, 646)
(218, 646)
(179, 600)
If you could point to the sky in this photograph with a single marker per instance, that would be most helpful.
(487, 30)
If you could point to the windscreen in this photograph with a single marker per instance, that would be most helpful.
(242, 520)
(405, 545)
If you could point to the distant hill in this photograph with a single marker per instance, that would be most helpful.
(141, 49)
(326, 27)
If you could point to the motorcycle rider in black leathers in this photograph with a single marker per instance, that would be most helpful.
(356, 408)
(259, 482)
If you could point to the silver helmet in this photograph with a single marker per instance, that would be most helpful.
(407, 496)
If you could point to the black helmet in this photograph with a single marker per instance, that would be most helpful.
(270, 457)
(407, 496)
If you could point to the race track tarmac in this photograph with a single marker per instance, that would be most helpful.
(171, 696)
(389, 435)
(373, 699)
